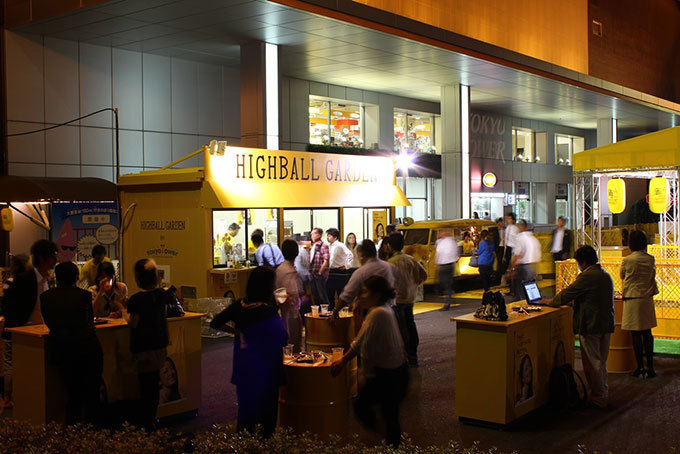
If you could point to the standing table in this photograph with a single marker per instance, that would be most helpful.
(503, 368)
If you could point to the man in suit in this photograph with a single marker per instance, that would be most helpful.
(561, 241)
(20, 302)
(72, 344)
(592, 295)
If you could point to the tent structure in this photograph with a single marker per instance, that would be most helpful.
(648, 156)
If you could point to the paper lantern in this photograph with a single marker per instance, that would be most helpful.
(616, 195)
(659, 200)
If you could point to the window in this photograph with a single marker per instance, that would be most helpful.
(265, 219)
(353, 222)
(335, 123)
(566, 146)
(229, 236)
(523, 145)
(318, 122)
(298, 223)
(232, 230)
(416, 236)
(414, 132)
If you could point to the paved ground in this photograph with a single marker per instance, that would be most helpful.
(643, 415)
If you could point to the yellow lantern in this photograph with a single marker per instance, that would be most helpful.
(616, 195)
(659, 200)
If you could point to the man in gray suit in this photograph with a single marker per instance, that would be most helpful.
(592, 295)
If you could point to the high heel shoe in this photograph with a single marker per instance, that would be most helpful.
(638, 372)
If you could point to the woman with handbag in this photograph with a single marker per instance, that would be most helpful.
(485, 258)
(638, 273)
(147, 319)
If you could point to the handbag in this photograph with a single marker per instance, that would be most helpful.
(474, 260)
(173, 304)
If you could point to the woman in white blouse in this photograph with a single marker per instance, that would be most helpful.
(383, 359)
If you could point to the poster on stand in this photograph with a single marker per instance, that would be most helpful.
(79, 226)
(526, 354)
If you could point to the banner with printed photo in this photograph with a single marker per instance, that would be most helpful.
(78, 227)
(526, 355)
(561, 340)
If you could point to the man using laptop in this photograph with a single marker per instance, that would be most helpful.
(592, 295)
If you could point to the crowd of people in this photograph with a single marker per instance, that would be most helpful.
(67, 299)
(378, 283)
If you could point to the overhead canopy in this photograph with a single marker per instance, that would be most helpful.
(38, 189)
(658, 150)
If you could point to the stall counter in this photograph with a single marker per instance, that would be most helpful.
(39, 396)
(503, 368)
(224, 280)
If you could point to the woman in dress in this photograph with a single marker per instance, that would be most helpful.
(638, 273)
(259, 338)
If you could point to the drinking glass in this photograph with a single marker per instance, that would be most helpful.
(281, 295)
(324, 308)
(315, 311)
(288, 351)
(337, 353)
(344, 312)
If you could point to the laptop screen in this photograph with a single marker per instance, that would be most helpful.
(531, 291)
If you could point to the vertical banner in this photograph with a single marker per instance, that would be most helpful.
(78, 227)
(526, 355)
(379, 225)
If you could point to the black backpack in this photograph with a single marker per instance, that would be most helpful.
(564, 392)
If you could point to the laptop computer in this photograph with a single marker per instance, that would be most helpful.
(531, 292)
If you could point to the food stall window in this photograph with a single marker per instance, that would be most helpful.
(353, 222)
(297, 224)
(267, 220)
(326, 219)
(229, 236)
(416, 236)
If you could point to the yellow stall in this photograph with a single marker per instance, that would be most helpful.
(196, 222)
(600, 176)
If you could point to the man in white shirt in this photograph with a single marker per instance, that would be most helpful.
(445, 257)
(509, 240)
(561, 243)
(340, 260)
(525, 258)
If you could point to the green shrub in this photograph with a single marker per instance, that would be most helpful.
(22, 438)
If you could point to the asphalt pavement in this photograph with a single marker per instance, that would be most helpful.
(642, 415)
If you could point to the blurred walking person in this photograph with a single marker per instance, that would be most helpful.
(446, 256)
(526, 254)
(408, 275)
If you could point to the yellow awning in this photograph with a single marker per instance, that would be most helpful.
(657, 150)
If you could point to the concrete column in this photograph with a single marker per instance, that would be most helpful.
(260, 85)
(606, 134)
(455, 152)
(607, 131)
